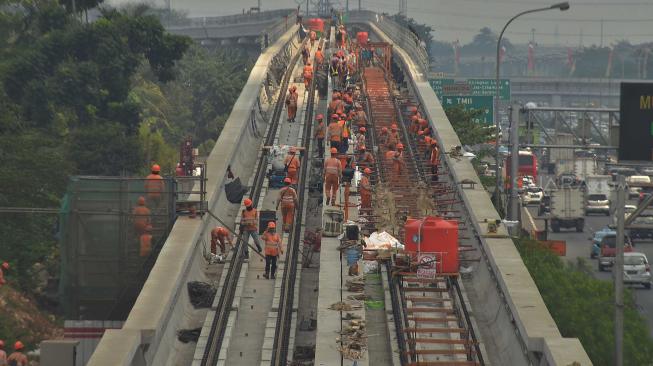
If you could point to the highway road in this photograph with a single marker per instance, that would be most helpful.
(578, 246)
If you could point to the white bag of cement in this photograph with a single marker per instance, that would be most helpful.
(370, 267)
(382, 240)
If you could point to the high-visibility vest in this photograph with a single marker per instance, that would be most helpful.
(153, 185)
(335, 131)
(332, 166)
(249, 219)
(272, 242)
(287, 195)
(364, 184)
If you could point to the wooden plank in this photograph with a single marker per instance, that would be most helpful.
(435, 330)
(429, 310)
(442, 319)
(441, 341)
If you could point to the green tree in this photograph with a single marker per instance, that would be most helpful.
(583, 306)
(486, 42)
(469, 132)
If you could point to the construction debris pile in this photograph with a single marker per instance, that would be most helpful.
(353, 340)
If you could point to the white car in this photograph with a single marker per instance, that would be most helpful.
(636, 269)
(532, 195)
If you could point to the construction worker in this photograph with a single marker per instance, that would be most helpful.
(420, 140)
(306, 53)
(18, 358)
(365, 189)
(344, 126)
(308, 74)
(359, 140)
(361, 116)
(179, 170)
(414, 124)
(332, 174)
(334, 132)
(5, 268)
(319, 58)
(319, 135)
(154, 186)
(398, 163)
(3, 354)
(393, 136)
(434, 160)
(365, 158)
(292, 164)
(249, 226)
(312, 37)
(146, 242)
(423, 124)
(272, 250)
(220, 236)
(141, 216)
(291, 103)
(389, 155)
(383, 136)
(288, 201)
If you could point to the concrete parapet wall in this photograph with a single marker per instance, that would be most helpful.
(515, 323)
(149, 335)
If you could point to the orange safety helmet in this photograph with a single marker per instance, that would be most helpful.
(148, 228)
(272, 225)
(319, 117)
(156, 168)
(5, 265)
(334, 151)
(287, 180)
(420, 132)
(247, 202)
(18, 345)
(293, 88)
(141, 201)
(400, 146)
(362, 148)
(384, 129)
(394, 126)
(414, 118)
(362, 129)
(427, 139)
(222, 231)
(413, 109)
(367, 171)
(334, 116)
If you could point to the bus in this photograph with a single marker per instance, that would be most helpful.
(527, 166)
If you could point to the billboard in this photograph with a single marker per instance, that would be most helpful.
(636, 122)
(477, 87)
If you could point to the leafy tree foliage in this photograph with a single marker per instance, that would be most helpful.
(423, 32)
(583, 306)
(469, 132)
(486, 42)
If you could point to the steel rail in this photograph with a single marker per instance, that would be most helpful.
(223, 309)
(286, 299)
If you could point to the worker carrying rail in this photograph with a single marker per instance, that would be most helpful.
(249, 226)
(288, 201)
(332, 175)
(334, 132)
(220, 237)
(272, 250)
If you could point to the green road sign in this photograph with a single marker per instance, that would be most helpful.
(484, 103)
(476, 87)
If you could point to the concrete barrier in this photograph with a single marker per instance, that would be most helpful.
(515, 323)
(149, 335)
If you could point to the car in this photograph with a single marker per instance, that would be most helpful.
(646, 171)
(597, 203)
(532, 195)
(595, 249)
(637, 269)
(608, 250)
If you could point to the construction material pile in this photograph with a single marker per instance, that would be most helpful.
(353, 340)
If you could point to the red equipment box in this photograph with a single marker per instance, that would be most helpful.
(362, 38)
(434, 235)
(315, 24)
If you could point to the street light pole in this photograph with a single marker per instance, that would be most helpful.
(497, 190)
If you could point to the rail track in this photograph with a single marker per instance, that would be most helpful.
(226, 299)
(431, 318)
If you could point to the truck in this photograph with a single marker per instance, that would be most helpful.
(642, 225)
(566, 209)
(557, 154)
(585, 166)
(598, 194)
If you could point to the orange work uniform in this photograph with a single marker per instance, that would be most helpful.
(393, 139)
(365, 160)
(141, 218)
(365, 190)
(334, 131)
(154, 187)
(292, 164)
(434, 160)
(146, 244)
(219, 236)
(288, 200)
(272, 249)
(291, 103)
(397, 163)
(319, 58)
(332, 174)
(18, 359)
(308, 75)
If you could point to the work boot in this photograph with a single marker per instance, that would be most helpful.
(266, 276)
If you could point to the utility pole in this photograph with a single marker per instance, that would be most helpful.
(306, 9)
(515, 110)
(601, 33)
(359, 5)
(347, 7)
(533, 35)
(619, 275)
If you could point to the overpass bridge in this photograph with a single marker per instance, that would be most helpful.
(252, 321)
(257, 29)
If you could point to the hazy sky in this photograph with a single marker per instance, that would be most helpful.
(461, 19)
